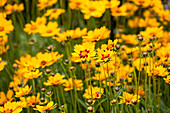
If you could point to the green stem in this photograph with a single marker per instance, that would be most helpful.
(146, 88)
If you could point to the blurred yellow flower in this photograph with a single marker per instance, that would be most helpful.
(70, 83)
(48, 107)
(6, 97)
(54, 13)
(45, 3)
(93, 92)
(97, 34)
(55, 81)
(13, 8)
(22, 91)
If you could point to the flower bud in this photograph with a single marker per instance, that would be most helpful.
(90, 109)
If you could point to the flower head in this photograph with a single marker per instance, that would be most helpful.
(84, 52)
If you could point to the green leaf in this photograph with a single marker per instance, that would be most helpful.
(120, 92)
(82, 103)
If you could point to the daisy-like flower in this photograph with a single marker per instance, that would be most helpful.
(45, 3)
(23, 91)
(84, 52)
(35, 27)
(93, 92)
(142, 3)
(160, 71)
(128, 98)
(47, 59)
(31, 28)
(104, 55)
(48, 107)
(77, 33)
(130, 8)
(12, 107)
(75, 4)
(50, 30)
(152, 31)
(111, 44)
(119, 11)
(33, 74)
(54, 13)
(64, 35)
(133, 23)
(97, 34)
(167, 79)
(123, 72)
(148, 22)
(70, 83)
(32, 100)
(93, 8)
(6, 97)
(2, 64)
(13, 8)
(2, 2)
(130, 39)
(3, 29)
(55, 81)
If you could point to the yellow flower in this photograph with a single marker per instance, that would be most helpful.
(12, 107)
(35, 27)
(119, 11)
(48, 107)
(128, 98)
(152, 31)
(167, 79)
(13, 8)
(130, 8)
(2, 2)
(104, 55)
(160, 71)
(64, 35)
(23, 91)
(79, 33)
(32, 100)
(45, 3)
(50, 30)
(130, 39)
(97, 34)
(47, 59)
(54, 13)
(84, 52)
(123, 72)
(2, 64)
(93, 8)
(3, 26)
(111, 44)
(143, 3)
(70, 83)
(148, 22)
(165, 40)
(101, 75)
(33, 74)
(55, 81)
(31, 28)
(8, 97)
(93, 92)
(133, 23)
(75, 4)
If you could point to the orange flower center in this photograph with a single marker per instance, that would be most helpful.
(118, 11)
(33, 27)
(92, 9)
(49, 31)
(1, 29)
(78, 3)
(141, 2)
(55, 10)
(84, 54)
(43, 63)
